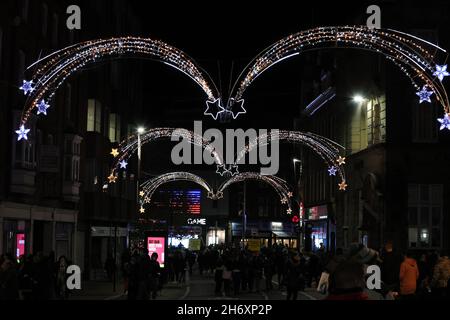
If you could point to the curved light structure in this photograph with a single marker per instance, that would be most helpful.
(54, 69)
(327, 149)
(130, 145)
(150, 186)
(414, 56)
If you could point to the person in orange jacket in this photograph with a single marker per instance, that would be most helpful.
(409, 273)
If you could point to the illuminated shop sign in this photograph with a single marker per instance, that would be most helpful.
(196, 221)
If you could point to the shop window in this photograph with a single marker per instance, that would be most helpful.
(94, 116)
(425, 203)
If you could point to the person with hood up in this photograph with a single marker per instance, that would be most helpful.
(409, 273)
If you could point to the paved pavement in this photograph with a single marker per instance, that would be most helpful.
(197, 287)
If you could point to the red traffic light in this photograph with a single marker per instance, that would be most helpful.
(295, 219)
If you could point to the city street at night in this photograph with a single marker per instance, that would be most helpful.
(236, 160)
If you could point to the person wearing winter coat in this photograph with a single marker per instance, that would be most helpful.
(294, 277)
(441, 277)
(409, 273)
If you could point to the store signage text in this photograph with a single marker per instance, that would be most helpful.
(197, 221)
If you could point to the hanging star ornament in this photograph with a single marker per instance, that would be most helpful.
(445, 122)
(42, 107)
(342, 185)
(213, 108)
(114, 152)
(123, 164)
(141, 193)
(233, 169)
(27, 87)
(22, 133)
(340, 160)
(284, 200)
(112, 178)
(289, 194)
(441, 72)
(332, 171)
(141, 210)
(236, 107)
(221, 169)
(289, 211)
(424, 95)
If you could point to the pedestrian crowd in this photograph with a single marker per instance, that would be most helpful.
(338, 276)
(33, 277)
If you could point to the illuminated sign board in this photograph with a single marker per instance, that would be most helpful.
(196, 221)
(157, 244)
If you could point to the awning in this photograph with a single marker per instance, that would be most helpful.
(282, 234)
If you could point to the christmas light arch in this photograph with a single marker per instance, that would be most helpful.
(130, 145)
(54, 69)
(327, 149)
(149, 187)
(279, 185)
(414, 56)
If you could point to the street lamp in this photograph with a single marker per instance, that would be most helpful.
(358, 98)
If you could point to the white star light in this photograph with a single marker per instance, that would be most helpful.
(445, 122)
(424, 95)
(240, 107)
(27, 87)
(441, 72)
(22, 132)
(123, 164)
(221, 169)
(332, 171)
(214, 108)
(42, 107)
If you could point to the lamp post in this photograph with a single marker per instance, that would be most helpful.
(299, 237)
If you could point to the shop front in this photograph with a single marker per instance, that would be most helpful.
(319, 229)
(266, 232)
(25, 230)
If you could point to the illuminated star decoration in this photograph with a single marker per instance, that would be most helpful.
(123, 164)
(22, 132)
(141, 193)
(42, 107)
(211, 195)
(213, 108)
(142, 210)
(424, 95)
(289, 211)
(441, 72)
(342, 185)
(341, 160)
(236, 107)
(332, 171)
(114, 152)
(27, 87)
(112, 178)
(284, 201)
(219, 195)
(233, 169)
(221, 169)
(146, 200)
(445, 122)
(289, 194)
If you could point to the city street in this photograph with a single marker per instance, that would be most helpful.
(244, 141)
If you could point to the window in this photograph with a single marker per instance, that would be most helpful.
(425, 215)
(1, 41)
(55, 30)
(44, 17)
(24, 12)
(94, 117)
(114, 127)
(20, 65)
(68, 101)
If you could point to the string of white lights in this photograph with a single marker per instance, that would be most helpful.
(414, 56)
